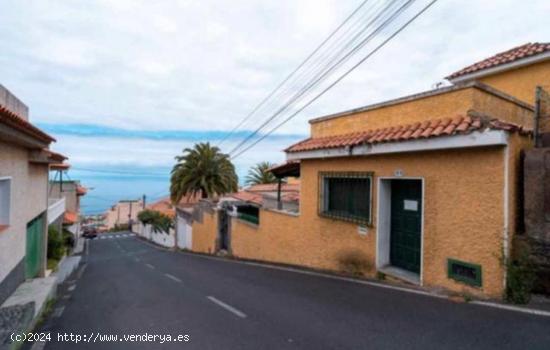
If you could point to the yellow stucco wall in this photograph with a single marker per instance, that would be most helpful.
(521, 82)
(463, 217)
(444, 105)
(205, 233)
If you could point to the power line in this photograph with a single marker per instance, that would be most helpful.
(326, 55)
(292, 73)
(406, 24)
(119, 172)
(330, 67)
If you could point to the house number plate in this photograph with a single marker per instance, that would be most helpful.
(411, 205)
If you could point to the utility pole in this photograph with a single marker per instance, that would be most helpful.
(130, 218)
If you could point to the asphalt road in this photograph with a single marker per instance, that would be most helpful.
(127, 287)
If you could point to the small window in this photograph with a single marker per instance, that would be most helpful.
(346, 196)
(464, 272)
(249, 213)
(5, 201)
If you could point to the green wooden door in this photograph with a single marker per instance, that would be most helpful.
(35, 239)
(406, 224)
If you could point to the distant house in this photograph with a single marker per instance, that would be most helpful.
(424, 188)
(71, 191)
(25, 207)
(120, 214)
(181, 234)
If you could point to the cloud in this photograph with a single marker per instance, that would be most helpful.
(198, 66)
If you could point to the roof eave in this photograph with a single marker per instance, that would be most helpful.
(463, 78)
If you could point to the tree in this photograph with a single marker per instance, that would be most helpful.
(202, 169)
(158, 221)
(260, 174)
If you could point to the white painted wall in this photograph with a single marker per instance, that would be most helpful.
(160, 238)
(185, 233)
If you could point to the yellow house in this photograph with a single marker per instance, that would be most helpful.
(424, 188)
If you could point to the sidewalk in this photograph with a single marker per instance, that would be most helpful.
(22, 310)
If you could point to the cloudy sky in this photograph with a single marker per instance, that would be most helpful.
(127, 84)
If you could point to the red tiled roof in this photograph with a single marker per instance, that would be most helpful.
(515, 54)
(55, 156)
(17, 122)
(165, 206)
(248, 197)
(423, 130)
(81, 190)
(60, 166)
(70, 217)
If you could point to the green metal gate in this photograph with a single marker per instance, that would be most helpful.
(35, 243)
(406, 224)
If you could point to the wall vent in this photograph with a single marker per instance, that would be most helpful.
(464, 272)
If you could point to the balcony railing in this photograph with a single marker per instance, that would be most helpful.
(56, 208)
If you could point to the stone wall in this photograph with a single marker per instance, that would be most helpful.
(537, 212)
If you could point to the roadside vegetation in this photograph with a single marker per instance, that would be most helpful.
(260, 174)
(203, 170)
(59, 243)
(158, 221)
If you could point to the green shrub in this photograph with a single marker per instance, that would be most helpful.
(354, 262)
(68, 239)
(56, 246)
(159, 221)
(521, 278)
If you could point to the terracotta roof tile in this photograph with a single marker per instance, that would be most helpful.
(515, 54)
(17, 122)
(70, 217)
(427, 129)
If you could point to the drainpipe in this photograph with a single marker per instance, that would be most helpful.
(279, 203)
(536, 132)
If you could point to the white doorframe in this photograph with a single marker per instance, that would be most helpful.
(383, 224)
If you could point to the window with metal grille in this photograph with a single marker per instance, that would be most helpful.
(249, 213)
(464, 272)
(346, 196)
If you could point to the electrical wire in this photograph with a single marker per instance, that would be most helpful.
(382, 44)
(292, 73)
(331, 66)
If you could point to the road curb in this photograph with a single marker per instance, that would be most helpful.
(405, 289)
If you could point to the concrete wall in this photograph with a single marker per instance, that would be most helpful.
(463, 217)
(205, 233)
(119, 213)
(29, 188)
(72, 201)
(521, 82)
(11, 102)
(446, 105)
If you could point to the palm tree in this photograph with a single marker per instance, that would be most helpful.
(260, 174)
(202, 169)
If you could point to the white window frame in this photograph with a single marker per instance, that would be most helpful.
(5, 200)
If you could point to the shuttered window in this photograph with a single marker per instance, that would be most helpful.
(346, 196)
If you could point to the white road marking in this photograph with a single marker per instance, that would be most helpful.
(58, 311)
(71, 288)
(150, 266)
(68, 296)
(227, 307)
(137, 259)
(172, 277)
